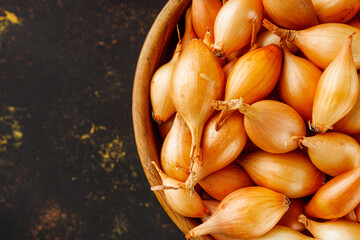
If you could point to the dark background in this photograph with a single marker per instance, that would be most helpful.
(69, 167)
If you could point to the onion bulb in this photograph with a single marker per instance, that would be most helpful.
(197, 80)
(297, 83)
(351, 216)
(228, 67)
(189, 33)
(245, 213)
(234, 25)
(269, 124)
(294, 14)
(266, 38)
(337, 197)
(338, 11)
(175, 151)
(322, 43)
(357, 212)
(253, 77)
(354, 22)
(283, 233)
(332, 230)
(337, 90)
(226, 180)
(178, 197)
(162, 106)
(290, 173)
(290, 218)
(164, 127)
(333, 153)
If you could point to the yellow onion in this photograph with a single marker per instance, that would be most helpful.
(162, 106)
(290, 218)
(350, 124)
(337, 197)
(351, 216)
(357, 212)
(294, 14)
(226, 180)
(228, 67)
(333, 153)
(266, 38)
(322, 43)
(338, 11)
(197, 80)
(337, 90)
(189, 33)
(283, 233)
(219, 148)
(269, 124)
(297, 83)
(290, 173)
(357, 137)
(164, 127)
(234, 25)
(354, 22)
(178, 197)
(332, 230)
(253, 77)
(203, 16)
(245, 213)
(175, 151)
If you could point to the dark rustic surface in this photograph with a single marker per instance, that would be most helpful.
(69, 167)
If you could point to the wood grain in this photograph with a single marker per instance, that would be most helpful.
(150, 55)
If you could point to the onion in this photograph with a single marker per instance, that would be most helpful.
(220, 148)
(242, 213)
(226, 180)
(297, 83)
(178, 197)
(203, 16)
(197, 80)
(253, 77)
(283, 233)
(164, 127)
(337, 90)
(291, 173)
(189, 33)
(290, 218)
(269, 124)
(357, 212)
(322, 43)
(351, 216)
(294, 14)
(234, 25)
(266, 38)
(333, 153)
(354, 22)
(336, 10)
(337, 197)
(175, 151)
(228, 67)
(332, 230)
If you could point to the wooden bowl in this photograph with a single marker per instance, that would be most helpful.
(145, 131)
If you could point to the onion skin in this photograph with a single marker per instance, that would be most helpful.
(354, 22)
(338, 11)
(189, 33)
(357, 212)
(266, 38)
(234, 25)
(297, 83)
(290, 218)
(322, 43)
(283, 233)
(294, 14)
(332, 230)
(164, 128)
(226, 180)
(175, 151)
(291, 173)
(203, 16)
(228, 67)
(219, 148)
(350, 124)
(333, 153)
(337, 197)
(241, 214)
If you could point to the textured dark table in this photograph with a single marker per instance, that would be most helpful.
(69, 167)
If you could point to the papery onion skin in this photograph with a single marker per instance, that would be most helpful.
(164, 127)
(357, 212)
(226, 180)
(337, 197)
(228, 67)
(283, 233)
(290, 218)
(338, 11)
(241, 214)
(203, 16)
(189, 33)
(354, 22)
(351, 216)
(219, 148)
(291, 173)
(322, 43)
(297, 83)
(266, 38)
(234, 24)
(333, 153)
(294, 14)
(332, 230)
(175, 151)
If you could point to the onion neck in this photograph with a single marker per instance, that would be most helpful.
(289, 35)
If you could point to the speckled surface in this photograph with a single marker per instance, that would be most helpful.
(69, 167)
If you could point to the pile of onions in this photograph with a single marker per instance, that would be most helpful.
(261, 129)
